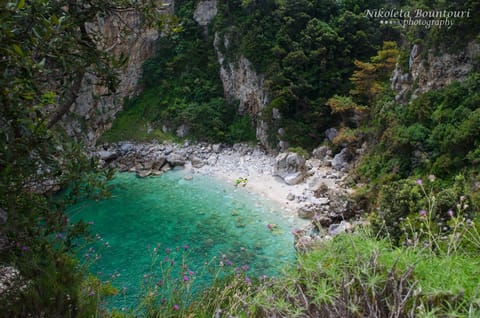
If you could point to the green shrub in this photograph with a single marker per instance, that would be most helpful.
(355, 275)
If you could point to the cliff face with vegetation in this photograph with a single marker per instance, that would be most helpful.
(285, 73)
(429, 70)
(121, 35)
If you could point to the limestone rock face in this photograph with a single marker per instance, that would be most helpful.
(95, 109)
(428, 71)
(290, 167)
(243, 84)
(205, 12)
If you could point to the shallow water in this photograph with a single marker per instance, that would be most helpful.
(202, 218)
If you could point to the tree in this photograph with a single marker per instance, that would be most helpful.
(47, 48)
(370, 76)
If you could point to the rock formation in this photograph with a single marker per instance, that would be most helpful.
(429, 71)
(290, 167)
(243, 84)
(95, 109)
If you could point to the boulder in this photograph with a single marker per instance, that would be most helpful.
(331, 133)
(290, 167)
(158, 163)
(147, 165)
(320, 152)
(305, 213)
(294, 178)
(343, 227)
(182, 130)
(107, 156)
(196, 162)
(144, 173)
(175, 159)
(341, 160)
(217, 148)
(324, 220)
(126, 147)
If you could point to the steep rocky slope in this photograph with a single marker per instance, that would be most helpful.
(95, 109)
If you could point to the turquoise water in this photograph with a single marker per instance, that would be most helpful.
(203, 218)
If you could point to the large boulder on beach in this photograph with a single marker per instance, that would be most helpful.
(290, 167)
(176, 159)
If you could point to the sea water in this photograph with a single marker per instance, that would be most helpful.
(197, 221)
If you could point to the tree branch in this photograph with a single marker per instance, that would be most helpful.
(70, 98)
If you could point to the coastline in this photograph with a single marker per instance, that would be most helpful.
(318, 190)
(258, 171)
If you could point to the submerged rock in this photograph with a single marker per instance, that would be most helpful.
(144, 173)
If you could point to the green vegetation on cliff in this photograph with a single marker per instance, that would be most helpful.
(306, 49)
(325, 65)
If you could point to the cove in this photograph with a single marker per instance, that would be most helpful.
(204, 218)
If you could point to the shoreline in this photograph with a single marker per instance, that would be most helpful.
(318, 189)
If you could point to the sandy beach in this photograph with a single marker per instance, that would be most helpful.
(257, 168)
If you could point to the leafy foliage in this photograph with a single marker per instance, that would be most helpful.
(182, 87)
(45, 53)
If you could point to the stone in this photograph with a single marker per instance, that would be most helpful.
(188, 177)
(217, 148)
(276, 115)
(196, 162)
(305, 213)
(283, 145)
(182, 130)
(290, 167)
(158, 163)
(143, 173)
(290, 196)
(323, 201)
(331, 133)
(343, 227)
(126, 147)
(147, 165)
(107, 156)
(212, 160)
(294, 178)
(165, 168)
(320, 152)
(176, 159)
(324, 220)
(431, 69)
(341, 160)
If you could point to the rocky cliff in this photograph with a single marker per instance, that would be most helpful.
(428, 71)
(94, 109)
(241, 82)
